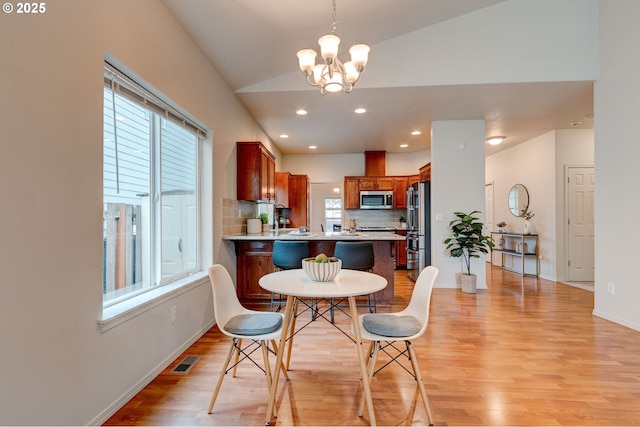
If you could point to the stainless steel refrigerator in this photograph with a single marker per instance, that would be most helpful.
(418, 228)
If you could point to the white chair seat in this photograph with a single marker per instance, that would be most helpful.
(406, 325)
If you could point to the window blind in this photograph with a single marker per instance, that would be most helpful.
(126, 87)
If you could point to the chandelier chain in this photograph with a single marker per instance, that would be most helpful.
(333, 18)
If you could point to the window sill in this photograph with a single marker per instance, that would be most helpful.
(126, 310)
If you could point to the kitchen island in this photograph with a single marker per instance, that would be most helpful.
(253, 256)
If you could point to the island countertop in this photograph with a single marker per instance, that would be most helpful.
(254, 251)
(335, 236)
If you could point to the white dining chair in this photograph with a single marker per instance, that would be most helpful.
(385, 330)
(238, 323)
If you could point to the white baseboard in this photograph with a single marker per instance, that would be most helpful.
(122, 400)
(616, 319)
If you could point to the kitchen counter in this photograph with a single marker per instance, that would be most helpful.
(254, 251)
(293, 234)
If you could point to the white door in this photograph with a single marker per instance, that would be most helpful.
(580, 223)
(488, 212)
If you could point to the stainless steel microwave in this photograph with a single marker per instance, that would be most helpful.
(376, 200)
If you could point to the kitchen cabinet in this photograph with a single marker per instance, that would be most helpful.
(253, 261)
(375, 183)
(282, 188)
(256, 172)
(292, 191)
(353, 185)
(400, 185)
(299, 200)
(351, 193)
(425, 172)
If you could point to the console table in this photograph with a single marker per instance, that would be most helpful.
(516, 245)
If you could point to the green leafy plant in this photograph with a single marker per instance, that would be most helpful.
(264, 218)
(466, 239)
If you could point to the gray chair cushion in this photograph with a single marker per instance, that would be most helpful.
(391, 326)
(254, 324)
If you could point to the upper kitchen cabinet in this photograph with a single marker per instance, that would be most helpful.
(369, 183)
(425, 172)
(299, 200)
(400, 185)
(351, 193)
(292, 191)
(282, 188)
(256, 171)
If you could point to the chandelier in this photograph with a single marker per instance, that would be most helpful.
(333, 75)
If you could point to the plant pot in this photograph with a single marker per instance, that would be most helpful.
(468, 283)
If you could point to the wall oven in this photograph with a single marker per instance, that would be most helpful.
(376, 200)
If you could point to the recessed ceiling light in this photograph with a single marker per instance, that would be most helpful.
(360, 110)
(301, 112)
(404, 145)
(284, 136)
(416, 132)
(495, 140)
(588, 118)
(312, 147)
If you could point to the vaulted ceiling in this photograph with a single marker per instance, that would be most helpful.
(253, 45)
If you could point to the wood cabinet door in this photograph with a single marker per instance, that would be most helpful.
(400, 185)
(282, 188)
(299, 200)
(351, 193)
(367, 184)
(254, 261)
(384, 184)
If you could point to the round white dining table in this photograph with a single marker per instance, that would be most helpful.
(347, 284)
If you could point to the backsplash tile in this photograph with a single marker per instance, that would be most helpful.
(235, 214)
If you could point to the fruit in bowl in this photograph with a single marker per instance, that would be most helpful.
(321, 268)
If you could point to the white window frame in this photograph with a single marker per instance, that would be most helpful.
(119, 309)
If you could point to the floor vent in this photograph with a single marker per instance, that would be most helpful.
(185, 365)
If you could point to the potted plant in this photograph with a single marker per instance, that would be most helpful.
(526, 214)
(264, 218)
(467, 242)
(501, 226)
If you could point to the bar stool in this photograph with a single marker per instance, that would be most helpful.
(287, 255)
(356, 256)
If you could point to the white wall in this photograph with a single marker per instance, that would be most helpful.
(574, 147)
(617, 102)
(457, 184)
(539, 164)
(532, 165)
(327, 168)
(59, 368)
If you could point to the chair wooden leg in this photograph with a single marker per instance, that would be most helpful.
(221, 377)
(373, 357)
(235, 368)
(282, 367)
(267, 370)
(416, 371)
(292, 329)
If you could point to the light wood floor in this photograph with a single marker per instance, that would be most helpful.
(524, 352)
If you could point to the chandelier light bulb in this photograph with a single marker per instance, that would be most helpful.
(306, 59)
(329, 47)
(333, 75)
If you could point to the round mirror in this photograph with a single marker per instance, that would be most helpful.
(518, 199)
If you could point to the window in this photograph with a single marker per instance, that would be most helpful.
(151, 221)
(332, 212)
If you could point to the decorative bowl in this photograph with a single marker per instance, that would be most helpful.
(321, 271)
